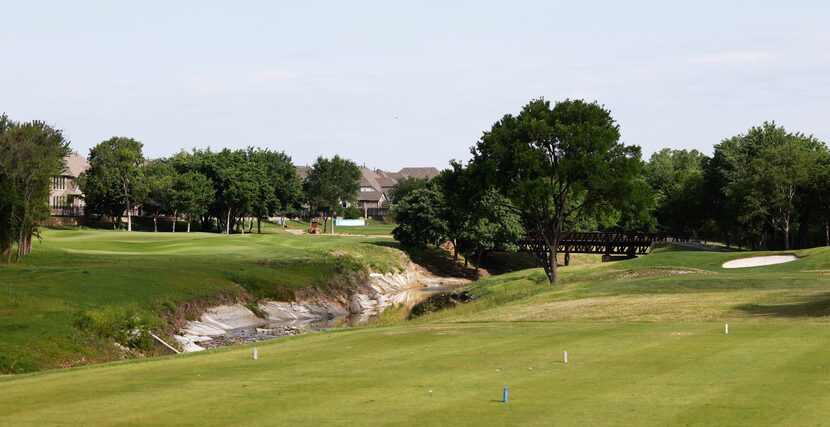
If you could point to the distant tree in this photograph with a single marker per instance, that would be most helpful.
(192, 193)
(491, 226)
(159, 177)
(819, 193)
(280, 188)
(421, 218)
(114, 183)
(777, 177)
(677, 180)
(406, 186)
(330, 184)
(555, 166)
(742, 191)
(31, 154)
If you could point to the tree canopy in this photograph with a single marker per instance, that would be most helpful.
(557, 166)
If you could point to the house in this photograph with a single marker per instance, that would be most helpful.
(373, 194)
(65, 198)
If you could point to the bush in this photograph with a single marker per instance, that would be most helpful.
(352, 212)
(127, 325)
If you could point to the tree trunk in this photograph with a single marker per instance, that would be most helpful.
(228, 223)
(259, 225)
(20, 245)
(156, 223)
(129, 220)
(175, 219)
(188, 223)
(332, 223)
(478, 259)
(826, 233)
(552, 268)
(242, 224)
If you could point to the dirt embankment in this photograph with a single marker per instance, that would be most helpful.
(312, 309)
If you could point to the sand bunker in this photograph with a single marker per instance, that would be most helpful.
(758, 261)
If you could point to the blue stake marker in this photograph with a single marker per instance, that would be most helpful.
(505, 395)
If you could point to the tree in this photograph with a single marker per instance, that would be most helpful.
(421, 218)
(330, 184)
(555, 166)
(676, 178)
(777, 176)
(114, 183)
(491, 226)
(30, 155)
(191, 194)
(159, 177)
(406, 186)
(281, 188)
(747, 197)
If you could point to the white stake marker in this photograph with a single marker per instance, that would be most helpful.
(726, 328)
(255, 354)
(566, 357)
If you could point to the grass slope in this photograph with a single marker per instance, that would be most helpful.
(72, 271)
(645, 341)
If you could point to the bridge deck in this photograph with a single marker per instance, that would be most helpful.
(607, 243)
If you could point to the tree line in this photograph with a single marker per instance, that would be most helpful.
(765, 189)
(222, 191)
(552, 170)
(216, 190)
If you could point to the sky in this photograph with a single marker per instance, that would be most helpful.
(394, 84)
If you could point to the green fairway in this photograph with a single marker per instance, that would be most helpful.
(645, 339)
(638, 373)
(71, 271)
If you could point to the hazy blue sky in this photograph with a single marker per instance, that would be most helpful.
(394, 85)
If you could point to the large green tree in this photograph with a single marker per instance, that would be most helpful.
(281, 187)
(421, 218)
(191, 195)
(114, 183)
(31, 154)
(330, 184)
(159, 177)
(555, 166)
(757, 182)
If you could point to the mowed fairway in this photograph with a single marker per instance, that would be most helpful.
(73, 270)
(645, 339)
(633, 373)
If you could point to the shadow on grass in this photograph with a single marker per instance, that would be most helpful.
(437, 261)
(441, 263)
(812, 306)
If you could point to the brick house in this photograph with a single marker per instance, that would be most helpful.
(65, 198)
(375, 185)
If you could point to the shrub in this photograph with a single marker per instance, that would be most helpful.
(127, 325)
(352, 212)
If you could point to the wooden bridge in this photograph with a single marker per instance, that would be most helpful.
(606, 243)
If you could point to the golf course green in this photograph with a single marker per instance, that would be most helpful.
(645, 338)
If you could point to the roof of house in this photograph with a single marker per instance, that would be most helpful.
(370, 196)
(75, 164)
(369, 178)
(423, 173)
(302, 171)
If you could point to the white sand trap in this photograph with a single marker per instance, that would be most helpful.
(758, 261)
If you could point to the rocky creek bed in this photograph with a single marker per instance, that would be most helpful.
(236, 324)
